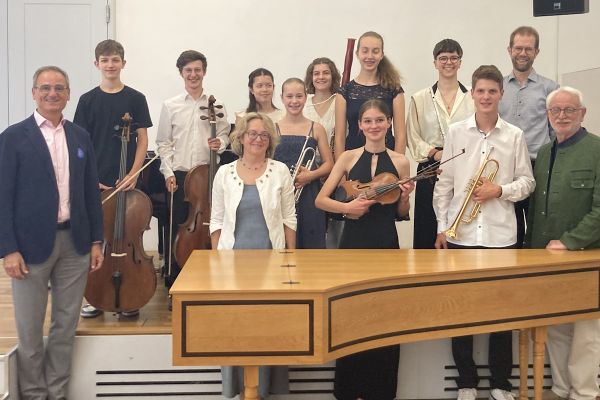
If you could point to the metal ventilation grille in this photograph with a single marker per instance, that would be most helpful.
(484, 376)
(305, 382)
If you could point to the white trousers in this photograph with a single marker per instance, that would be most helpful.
(574, 351)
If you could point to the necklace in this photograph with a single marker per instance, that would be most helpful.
(251, 168)
(321, 102)
(449, 103)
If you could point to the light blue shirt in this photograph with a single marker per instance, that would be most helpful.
(525, 107)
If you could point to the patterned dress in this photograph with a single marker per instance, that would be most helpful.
(355, 95)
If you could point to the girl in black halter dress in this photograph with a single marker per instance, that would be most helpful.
(372, 374)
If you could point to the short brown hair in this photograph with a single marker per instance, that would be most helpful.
(189, 56)
(109, 47)
(490, 72)
(241, 127)
(525, 31)
(335, 75)
(447, 46)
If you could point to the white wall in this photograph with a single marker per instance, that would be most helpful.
(238, 36)
(284, 36)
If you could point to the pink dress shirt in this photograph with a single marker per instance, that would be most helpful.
(59, 153)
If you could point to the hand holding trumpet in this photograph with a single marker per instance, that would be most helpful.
(486, 190)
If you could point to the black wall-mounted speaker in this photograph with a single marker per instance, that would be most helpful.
(560, 7)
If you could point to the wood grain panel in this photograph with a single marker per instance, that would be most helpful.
(248, 328)
(403, 309)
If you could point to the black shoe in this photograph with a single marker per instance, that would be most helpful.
(130, 313)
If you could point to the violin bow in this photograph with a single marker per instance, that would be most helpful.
(431, 170)
(126, 181)
(428, 172)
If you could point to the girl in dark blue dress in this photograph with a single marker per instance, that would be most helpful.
(377, 79)
(298, 132)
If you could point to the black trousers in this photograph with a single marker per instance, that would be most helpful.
(425, 223)
(499, 353)
(180, 211)
(521, 210)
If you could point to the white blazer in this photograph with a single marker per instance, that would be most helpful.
(276, 193)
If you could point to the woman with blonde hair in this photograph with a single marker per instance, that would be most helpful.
(253, 208)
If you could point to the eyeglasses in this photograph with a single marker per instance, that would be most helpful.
(45, 89)
(555, 111)
(253, 135)
(445, 59)
(519, 49)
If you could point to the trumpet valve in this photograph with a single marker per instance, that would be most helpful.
(470, 185)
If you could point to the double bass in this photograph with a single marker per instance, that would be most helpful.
(127, 280)
(194, 234)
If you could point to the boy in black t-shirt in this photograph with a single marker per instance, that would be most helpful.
(100, 111)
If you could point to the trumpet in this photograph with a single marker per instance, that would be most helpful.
(301, 163)
(473, 184)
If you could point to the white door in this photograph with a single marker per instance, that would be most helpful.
(53, 32)
(3, 64)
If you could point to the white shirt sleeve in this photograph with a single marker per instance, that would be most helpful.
(164, 142)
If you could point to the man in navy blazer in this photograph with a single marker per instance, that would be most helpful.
(50, 230)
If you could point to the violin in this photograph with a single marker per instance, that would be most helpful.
(194, 234)
(127, 280)
(385, 187)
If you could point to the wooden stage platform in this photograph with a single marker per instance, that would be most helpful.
(154, 318)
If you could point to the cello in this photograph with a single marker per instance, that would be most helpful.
(194, 234)
(127, 280)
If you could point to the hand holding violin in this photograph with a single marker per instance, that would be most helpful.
(357, 207)
(406, 188)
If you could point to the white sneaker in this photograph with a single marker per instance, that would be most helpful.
(499, 394)
(89, 311)
(467, 394)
